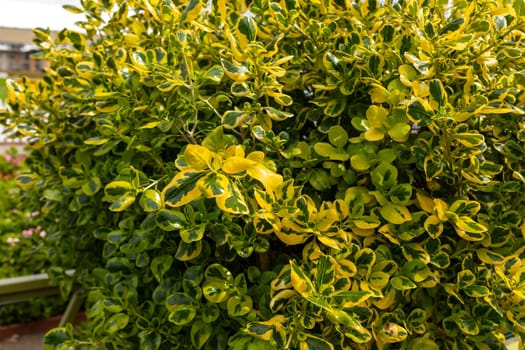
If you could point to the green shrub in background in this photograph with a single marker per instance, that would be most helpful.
(320, 174)
(21, 244)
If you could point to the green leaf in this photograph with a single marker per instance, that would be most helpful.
(151, 200)
(395, 213)
(217, 140)
(276, 114)
(334, 107)
(422, 344)
(96, 140)
(214, 74)
(160, 265)
(217, 272)
(248, 27)
(116, 323)
(182, 315)
(416, 270)
(122, 203)
(417, 321)
(116, 189)
(26, 180)
(324, 273)
(353, 329)
(489, 257)
(337, 136)
(72, 9)
(236, 72)
(348, 299)
(402, 283)
(239, 305)
(468, 225)
(452, 25)
(470, 140)
(476, 291)
(465, 278)
(56, 337)
(216, 291)
(437, 91)
(465, 322)
(327, 150)
(150, 341)
(399, 131)
(188, 251)
(360, 162)
(110, 106)
(384, 176)
(92, 186)
(193, 234)
(234, 119)
(315, 343)
(400, 194)
(210, 312)
(232, 201)
(200, 333)
(170, 220)
(113, 305)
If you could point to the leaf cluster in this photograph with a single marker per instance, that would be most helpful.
(284, 174)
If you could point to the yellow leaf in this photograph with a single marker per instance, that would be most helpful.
(268, 178)
(300, 281)
(236, 165)
(466, 224)
(376, 116)
(197, 157)
(234, 151)
(292, 238)
(441, 207)
(330, 242)
(378, 94)
(425, 203)
(420, 89)
(363, 232)
(374, 134)
(387, 300)
(326, 219)
(256, 156)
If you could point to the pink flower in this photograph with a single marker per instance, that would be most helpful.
(27, 233)
(35, 213)
(43, 234)
(9, 157)
(15, 162)
(13, 240)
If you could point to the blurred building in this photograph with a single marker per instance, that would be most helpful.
(16, 53)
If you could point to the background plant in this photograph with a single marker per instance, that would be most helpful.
(21, 250)
(293, 174)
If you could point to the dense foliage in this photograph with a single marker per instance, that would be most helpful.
(294, 174)
(21, 244)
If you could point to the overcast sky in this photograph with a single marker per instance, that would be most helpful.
(37, 13)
